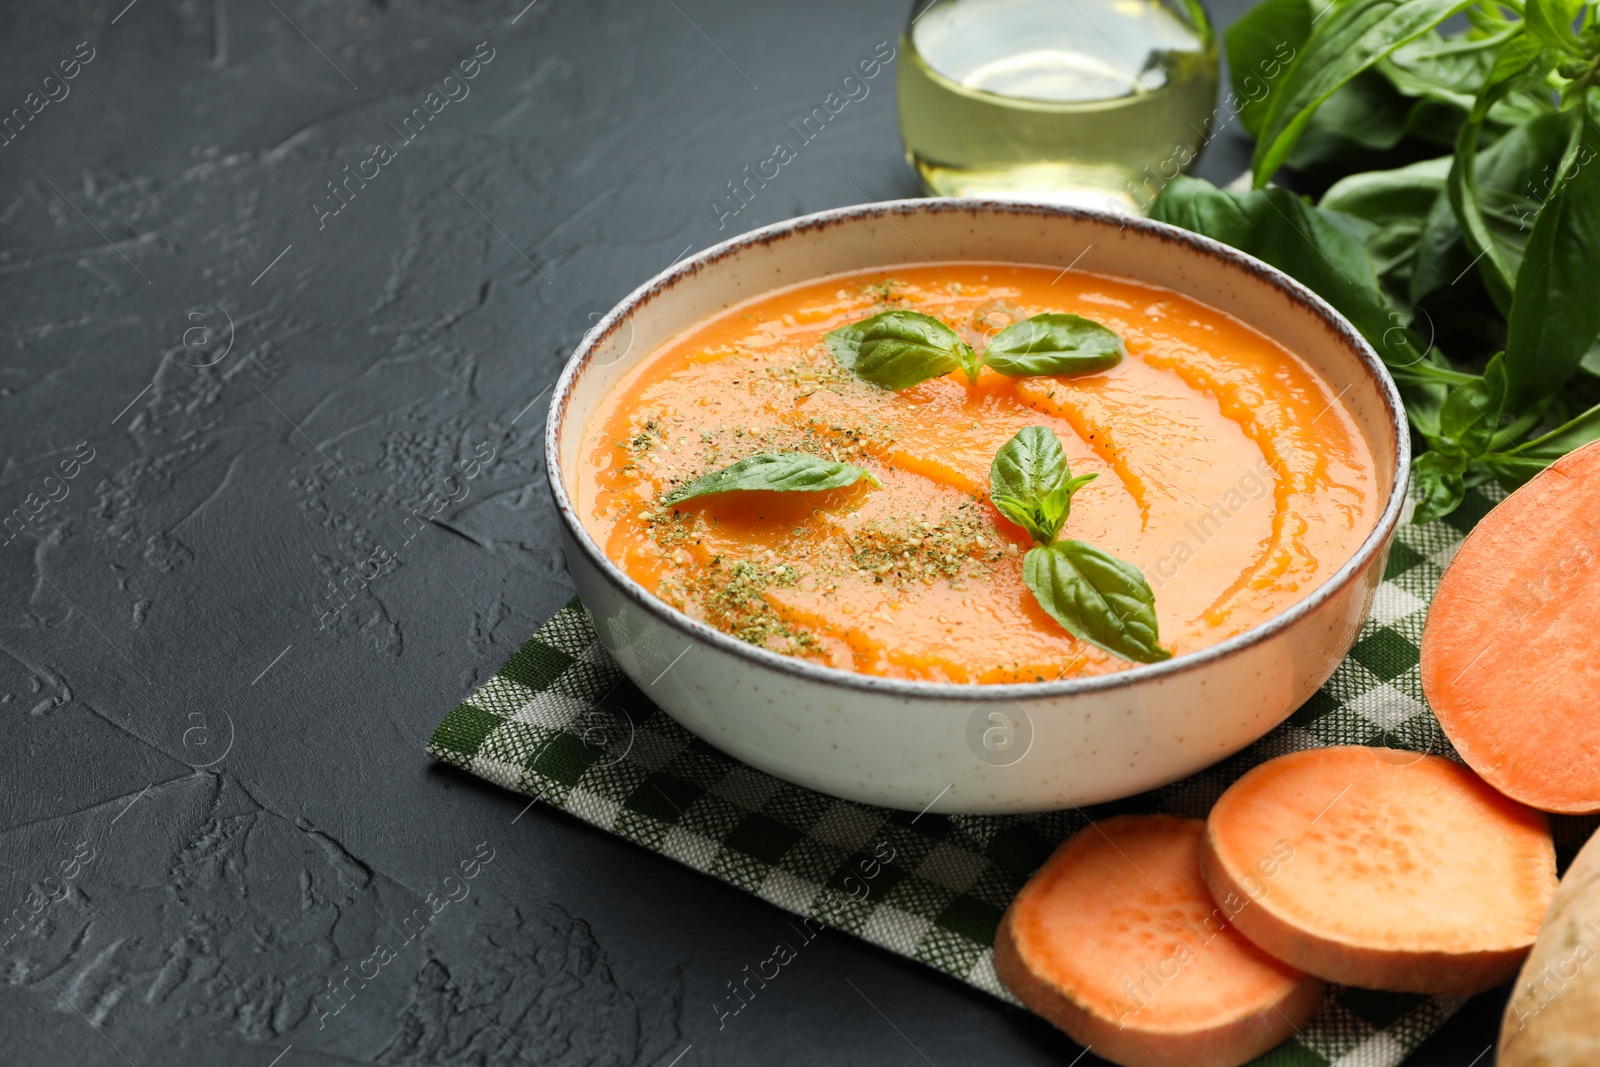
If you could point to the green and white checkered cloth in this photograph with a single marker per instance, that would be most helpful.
(560, 722)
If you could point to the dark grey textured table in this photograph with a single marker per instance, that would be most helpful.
(241, 348)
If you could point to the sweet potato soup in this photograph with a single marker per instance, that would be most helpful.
(1229, 474)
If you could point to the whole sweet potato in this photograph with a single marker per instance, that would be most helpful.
(1553, 1018)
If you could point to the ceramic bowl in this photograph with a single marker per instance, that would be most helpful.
(977, 748)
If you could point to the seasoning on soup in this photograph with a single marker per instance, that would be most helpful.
(1227, 473)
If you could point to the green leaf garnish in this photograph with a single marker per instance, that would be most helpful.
(899, 349)
(1031, 484)
(773, 471)
(1097, 598)
(1053, 343)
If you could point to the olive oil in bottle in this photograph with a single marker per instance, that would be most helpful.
(1090, 102)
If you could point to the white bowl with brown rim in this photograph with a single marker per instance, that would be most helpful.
(946, 747)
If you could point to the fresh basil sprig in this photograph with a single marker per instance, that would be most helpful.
(1030, 484)
(1053, 343)
(1486, 252)
(772, 471)
(1095, 596)
(899, 349)
(1471, 272)
(1356, 35)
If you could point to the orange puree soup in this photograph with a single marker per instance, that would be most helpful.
(1229, 473)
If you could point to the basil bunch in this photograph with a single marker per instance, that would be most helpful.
(772, 471)
(899, 349)
(1095, 596)
(1489, 249)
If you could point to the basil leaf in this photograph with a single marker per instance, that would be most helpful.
(1396, 203)
(1555, 315)
(1030, 483)
(1550, 23)
(1313, 246)
(1261, 44)
(1354, 36)
(898, 349)
(1470, 415)
(1505, 174)
(1097, 598)
(1415, 97)
(772, 471)
(1468, 427)
(1446, 71)
(1389, 197)
(1370, 117)
(1323, 250)
(1511, 66)
(1053, 343)
(1421, 93)
(1439, 480)
(1515, 466)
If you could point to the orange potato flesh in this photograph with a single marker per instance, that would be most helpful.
(1230, 474)
(1380, 868)
(1117, 941)
(1509, 653)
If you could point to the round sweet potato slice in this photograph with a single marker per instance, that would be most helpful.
(1510, 656)
(1381, 868)
(1117, 942)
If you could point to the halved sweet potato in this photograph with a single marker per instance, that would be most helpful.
(1117, 941)
(1510, 660)
(1381, 868)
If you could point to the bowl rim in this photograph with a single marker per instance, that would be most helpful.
(1227, 257)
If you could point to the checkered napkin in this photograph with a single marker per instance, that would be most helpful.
(560, 722)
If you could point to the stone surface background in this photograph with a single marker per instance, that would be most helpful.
(222, 650)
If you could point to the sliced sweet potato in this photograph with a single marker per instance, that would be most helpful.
(1381, 868)
(1510, 657)
(1553, 1016)
(1116, 941)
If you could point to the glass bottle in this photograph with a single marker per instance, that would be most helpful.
(1090, 102)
